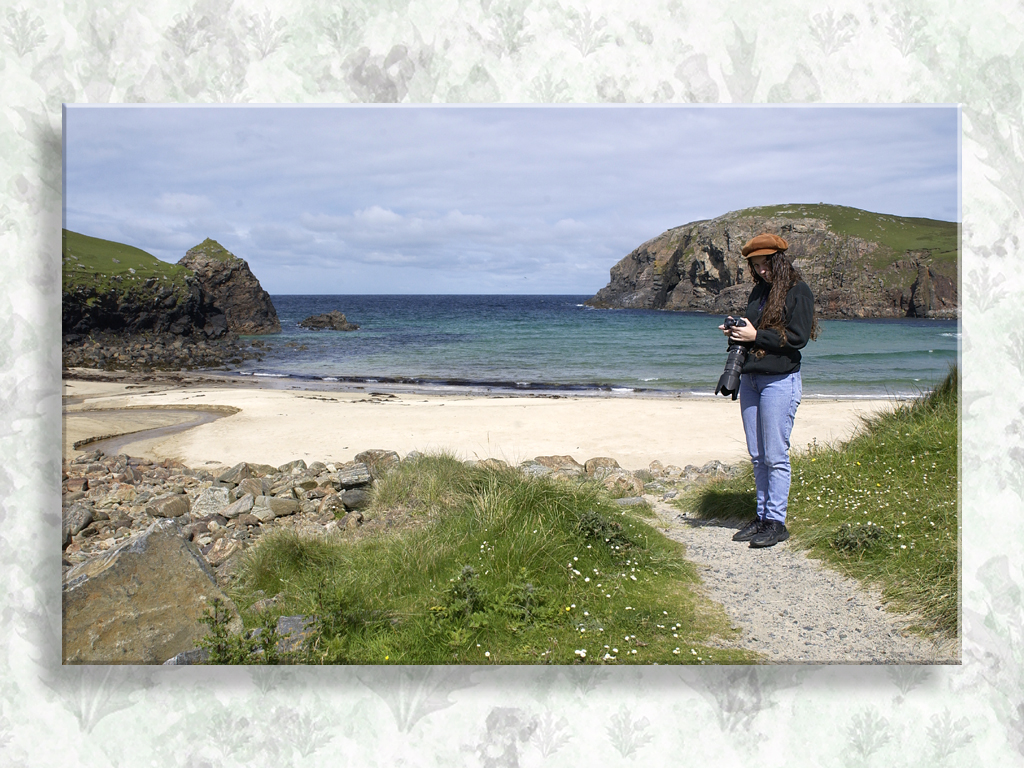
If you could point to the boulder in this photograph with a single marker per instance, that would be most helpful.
(267, 508)
(76, 518)
(294, 631)
(235, 475)
(352, 476)
(240, 507)
(220, 550)
(379, 461)
(332, 321)
(141, 602)
(601, 462)
(561, 466)
(249, 485)
(209, 502)
(356, 498)
(620, 481)
(168, 505)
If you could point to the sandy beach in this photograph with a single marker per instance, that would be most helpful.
(267, 423)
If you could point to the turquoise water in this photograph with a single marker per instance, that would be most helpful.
(554, 343)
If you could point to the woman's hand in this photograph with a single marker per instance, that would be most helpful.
(743, 334)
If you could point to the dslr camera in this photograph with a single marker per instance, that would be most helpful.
(729, 382)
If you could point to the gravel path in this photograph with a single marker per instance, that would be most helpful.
(792, 609)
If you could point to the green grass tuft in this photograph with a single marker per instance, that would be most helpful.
(489, 565)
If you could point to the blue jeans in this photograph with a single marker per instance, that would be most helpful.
(768, 403)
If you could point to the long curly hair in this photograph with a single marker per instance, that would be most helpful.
(784, 276)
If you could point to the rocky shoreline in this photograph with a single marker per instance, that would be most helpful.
(143, 352)
(115, 507)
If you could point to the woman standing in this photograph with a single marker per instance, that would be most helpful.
(780, 314)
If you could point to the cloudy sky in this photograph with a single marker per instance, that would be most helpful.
(482, 199)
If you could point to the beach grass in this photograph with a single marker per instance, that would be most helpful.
(488, 565)
(882, 507)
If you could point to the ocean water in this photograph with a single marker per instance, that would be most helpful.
(556, 344)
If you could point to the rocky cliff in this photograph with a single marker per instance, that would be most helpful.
(857, 263)
(230, 287)
(108, 286)
(112, 287)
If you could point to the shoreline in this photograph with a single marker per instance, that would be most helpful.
(282, 420)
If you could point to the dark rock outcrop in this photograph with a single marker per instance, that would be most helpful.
(235, 299)
(110, 351)
(698, 266)
(334, 321)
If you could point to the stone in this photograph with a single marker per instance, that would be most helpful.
(222, 549)
(533, 469)
(282, 507)
(210, 501)
(714, 467)
(601, 462)
(379, 461)
(292, 466)
(168, 505)
(294, 631)
(355, 498)
(141, 602)
(561, 466)
(331, 504)
(352, 476)
(269, 507)
(249, 485)
(351, 520)
(194, 656)
(236, 474)
(76, 518)
(240, 507)
(621, 481)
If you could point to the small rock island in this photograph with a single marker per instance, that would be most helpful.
(329, 321)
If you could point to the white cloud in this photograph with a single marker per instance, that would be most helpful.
(502, 190)
(375, 216)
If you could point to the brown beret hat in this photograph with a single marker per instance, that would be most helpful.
(764, 244)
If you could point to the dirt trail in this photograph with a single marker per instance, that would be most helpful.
(792, 609)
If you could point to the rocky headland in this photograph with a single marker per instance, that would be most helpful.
(858, 264)
(124, 309)
(230, 286)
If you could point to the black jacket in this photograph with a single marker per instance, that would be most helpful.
(779, 358)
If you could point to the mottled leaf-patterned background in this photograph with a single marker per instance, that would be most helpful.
(849, 51)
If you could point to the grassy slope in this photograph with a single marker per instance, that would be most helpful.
(899, 234)
(882, 507)
(104, 264)
(497, 567)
